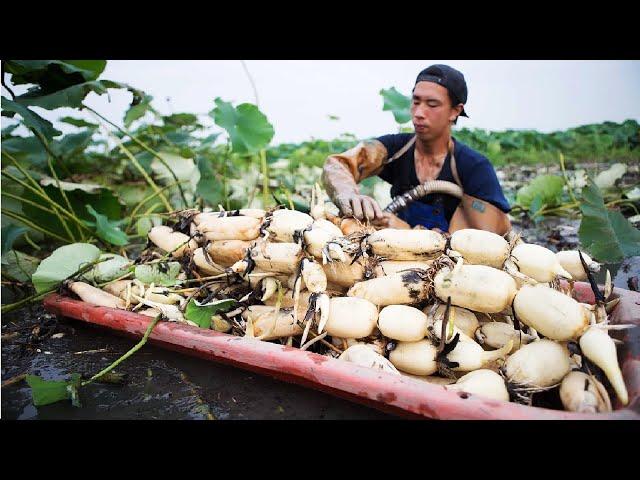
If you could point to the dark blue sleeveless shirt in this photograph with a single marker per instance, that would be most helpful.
(476, 173)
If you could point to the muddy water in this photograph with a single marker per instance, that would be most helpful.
(159, 384)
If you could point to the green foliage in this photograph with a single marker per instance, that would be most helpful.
(29, 118)
(201, 314)
(111, 266)
(106, 229)
(602, 142)
(396, 103)
(28, 150)
(72, 144)
(83, 199)
(31, 152)
(138, 110)
(9, 235)
(161, 273)
(45, 392)
(247, 127)
(132, 193)
(19, 266)
(209, 186)
(54, 75)
(184, 168)
(144, 224)
(68, 97)
(62, 263)
(605, 234)
(78, 122)
(535, 207)
(181, 120)
(7, 131)
(546, 188)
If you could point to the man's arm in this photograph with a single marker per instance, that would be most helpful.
(475, 213)
(483, 204)
(342, 172)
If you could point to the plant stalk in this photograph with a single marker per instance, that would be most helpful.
(27, 201)
(265, 178)
(253, 85)
(14, 306)
(45, 144)
(33, 226)
(37, 296)
(566, 180)
(137, 347)
(39, 191)
(66, 199)
(148, 149)
(142, 171)
(145, 200)
(31, 242)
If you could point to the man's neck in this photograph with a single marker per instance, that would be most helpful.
(434, 150)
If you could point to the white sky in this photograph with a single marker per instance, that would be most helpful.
(298, 96)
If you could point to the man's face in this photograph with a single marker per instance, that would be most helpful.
(431, 110)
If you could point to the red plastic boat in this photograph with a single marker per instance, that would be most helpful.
(390, 393)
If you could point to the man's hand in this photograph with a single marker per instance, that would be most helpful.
(361, 207)
(389, 220)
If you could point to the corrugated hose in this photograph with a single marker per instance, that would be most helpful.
(431, 186)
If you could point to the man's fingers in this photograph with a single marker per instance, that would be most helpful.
(345, 207)
(357, 208)
(367, 207)
(361, 207)
(377, 210)
(381, 222)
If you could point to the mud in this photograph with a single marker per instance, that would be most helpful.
(159, 384)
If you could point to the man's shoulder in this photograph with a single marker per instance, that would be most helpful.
(397, 136)
(394, 141)
(467, 156)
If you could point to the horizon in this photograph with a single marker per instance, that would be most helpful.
(299, 97)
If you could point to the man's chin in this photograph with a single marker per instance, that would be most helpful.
(423, 135)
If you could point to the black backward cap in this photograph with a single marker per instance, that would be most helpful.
(449, 78)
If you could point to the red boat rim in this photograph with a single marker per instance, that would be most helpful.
(399, 395)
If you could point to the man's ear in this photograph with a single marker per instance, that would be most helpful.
(458, 110)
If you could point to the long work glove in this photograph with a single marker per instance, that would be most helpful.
(342, 173)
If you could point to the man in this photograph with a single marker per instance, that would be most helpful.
(408, 160)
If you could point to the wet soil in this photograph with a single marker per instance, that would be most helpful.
(158, 384)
